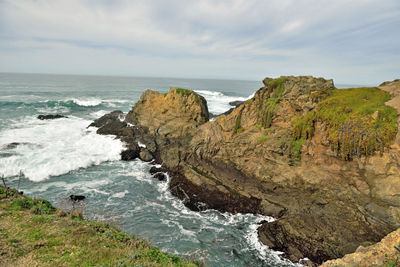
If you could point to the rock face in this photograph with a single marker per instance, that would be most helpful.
(173, 115)
(248, 161)
(383, 253)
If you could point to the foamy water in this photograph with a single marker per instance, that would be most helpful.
(54, 147)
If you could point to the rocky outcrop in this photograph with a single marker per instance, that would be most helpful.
(383, 253)
(176, 114)
(248, 160)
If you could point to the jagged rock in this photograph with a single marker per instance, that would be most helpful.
(51, 117)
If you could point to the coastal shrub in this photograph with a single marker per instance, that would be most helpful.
(357, 121)
(268, 107)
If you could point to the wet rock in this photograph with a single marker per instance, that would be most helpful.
(155, 169)
(76, 197)
(160, 176)
(51, 117)
(107, 118)
(145, 155)
(131, 153)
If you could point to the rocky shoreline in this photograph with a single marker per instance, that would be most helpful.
(249, 161)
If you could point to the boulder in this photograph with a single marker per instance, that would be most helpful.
(145, 155)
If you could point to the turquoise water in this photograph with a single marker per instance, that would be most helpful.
(62, 157)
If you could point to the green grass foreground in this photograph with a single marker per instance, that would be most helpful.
(357, 121)
(34, 233)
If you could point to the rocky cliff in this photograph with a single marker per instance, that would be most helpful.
(384, 253)
(322, 161)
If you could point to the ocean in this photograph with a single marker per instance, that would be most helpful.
(62, 157)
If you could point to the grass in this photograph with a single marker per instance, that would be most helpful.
(238, 127)
(184, 91)
(45, 236)
(263, 138)
(267, 108)
(357, 121)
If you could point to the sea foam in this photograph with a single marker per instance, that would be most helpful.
(60, 146)
(218, 102)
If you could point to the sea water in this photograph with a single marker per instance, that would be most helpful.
(62, 157)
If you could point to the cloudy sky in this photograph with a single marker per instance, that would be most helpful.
(355, 41)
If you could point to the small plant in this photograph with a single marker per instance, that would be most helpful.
(263, 138)
(391, 263)
(238, 127)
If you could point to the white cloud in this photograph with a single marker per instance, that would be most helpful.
(276, 36)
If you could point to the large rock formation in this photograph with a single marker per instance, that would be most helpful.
(384, 253)
(328, 194)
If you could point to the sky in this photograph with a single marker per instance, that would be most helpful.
(353, 42)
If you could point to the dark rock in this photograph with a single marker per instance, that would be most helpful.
(76, 197)
(212, 116)
(13, 145)
(107, 118)
(51, 117)
(131, 153)
(228, 112)
(160, 176)
(112, 127)
(155, 169)
(145, 155)
(236, 103)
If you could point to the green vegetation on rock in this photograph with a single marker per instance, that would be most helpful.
(184, 91)
(267, 108)
(357, 121)
(238, 127)
(34, 233)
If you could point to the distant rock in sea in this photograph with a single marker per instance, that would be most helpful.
(51, 117)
